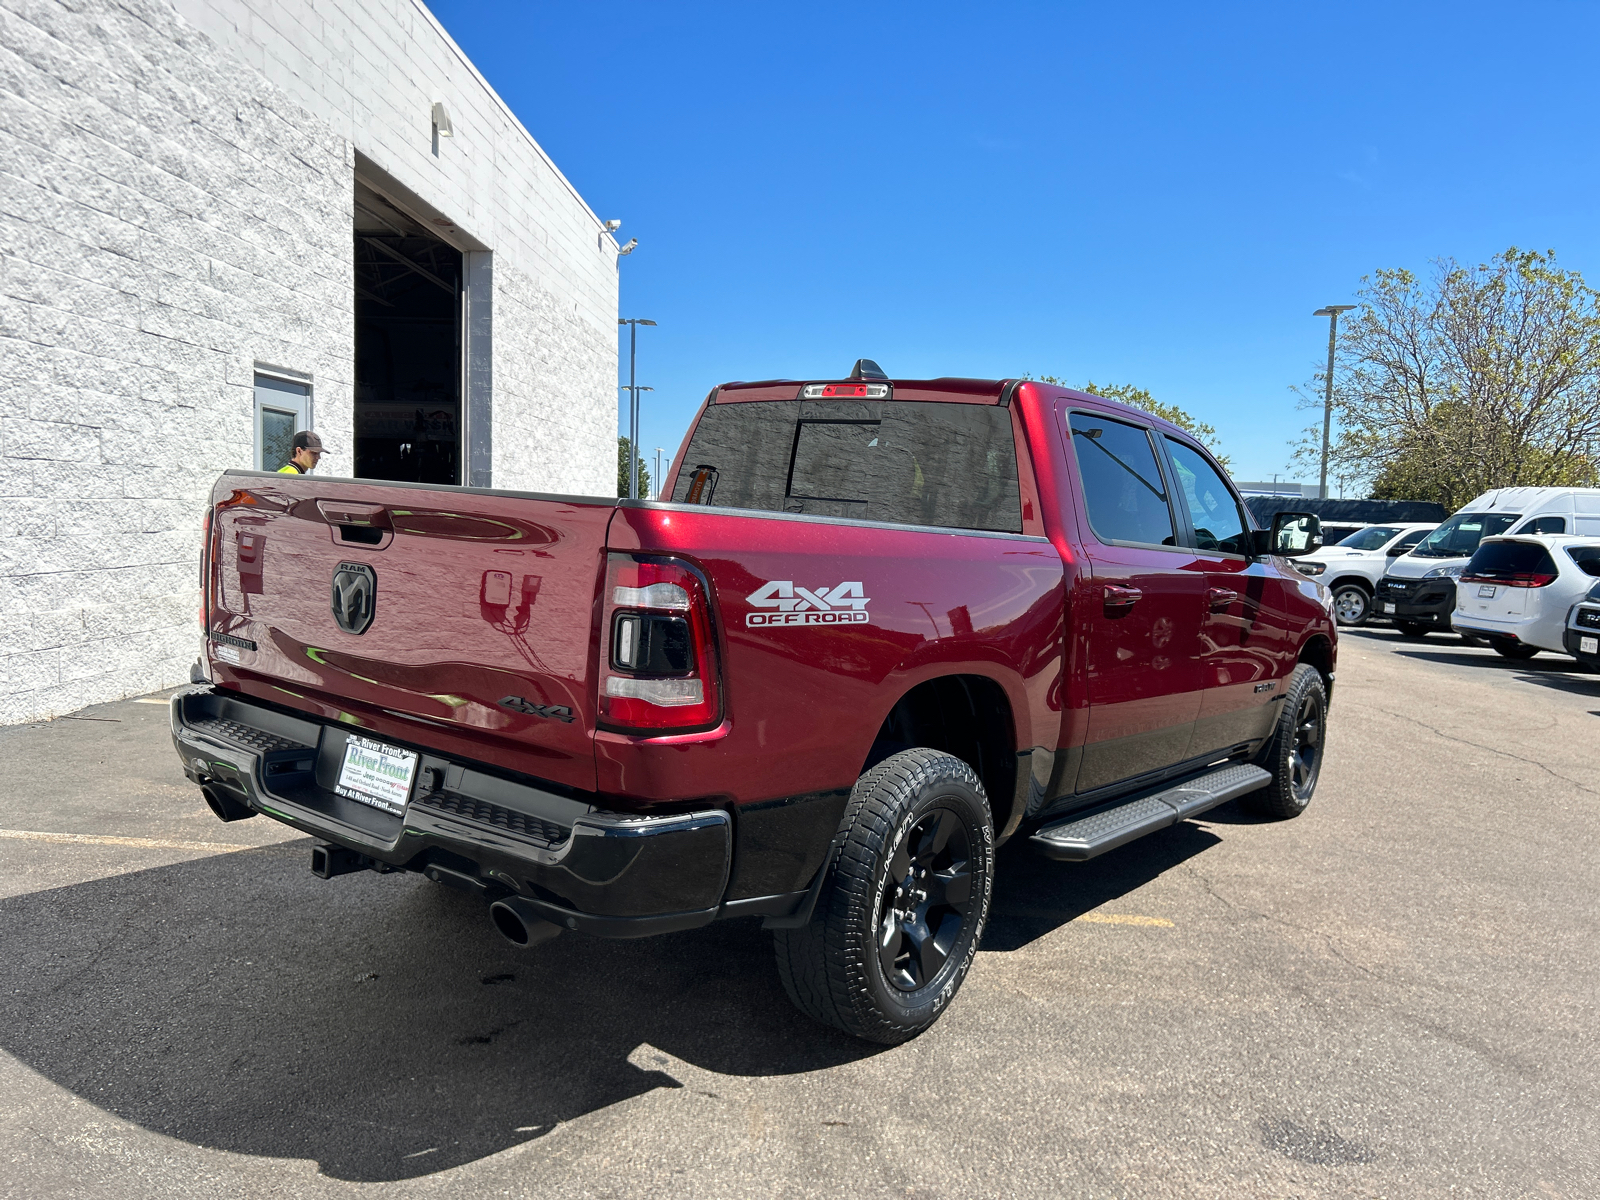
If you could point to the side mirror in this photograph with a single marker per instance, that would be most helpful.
(1291, 535)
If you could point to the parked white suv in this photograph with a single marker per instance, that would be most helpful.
(1351, 568)
(1516, 592)
(1419, 589)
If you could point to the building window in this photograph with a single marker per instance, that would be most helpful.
(282, 410)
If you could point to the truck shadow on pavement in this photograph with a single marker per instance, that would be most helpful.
(1548, 669)
(375, 1024)
(380, 1027)
(1034, 896)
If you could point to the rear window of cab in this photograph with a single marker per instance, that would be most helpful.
(904, 462)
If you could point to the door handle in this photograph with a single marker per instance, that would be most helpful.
(352, 512)
(1220, 598)
(1119, 600)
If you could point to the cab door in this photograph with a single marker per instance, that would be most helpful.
(1243, 633)
(1143, 611)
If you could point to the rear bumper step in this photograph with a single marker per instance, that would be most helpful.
(608, 873)
(1078, 838)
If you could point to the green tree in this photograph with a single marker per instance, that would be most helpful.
(1479, 377)
(1138, 397)
(622, 471)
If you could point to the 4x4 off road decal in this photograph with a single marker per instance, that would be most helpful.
(789, 604)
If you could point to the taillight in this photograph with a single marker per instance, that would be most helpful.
(205, 566)
(1523, 579)
(658, 650)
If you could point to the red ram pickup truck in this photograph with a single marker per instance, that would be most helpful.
(881, 627)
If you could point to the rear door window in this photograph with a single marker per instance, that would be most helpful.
(1214, 511)
(1122, 483)
(903, 462)
(1587, 558)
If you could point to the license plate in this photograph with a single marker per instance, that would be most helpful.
(1388, 608)
(1589, 645)
(1487, 591)
(376, 774)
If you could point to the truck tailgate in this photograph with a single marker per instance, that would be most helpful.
(454, 617)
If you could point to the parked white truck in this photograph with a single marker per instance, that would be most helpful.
(1352, 567)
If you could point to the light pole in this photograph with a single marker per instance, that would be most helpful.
(1332, 312)
(634, 389)
(655, 480)
(633, 434)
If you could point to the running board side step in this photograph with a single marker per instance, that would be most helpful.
(1077, 839)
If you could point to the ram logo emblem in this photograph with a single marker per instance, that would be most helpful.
(355, 596)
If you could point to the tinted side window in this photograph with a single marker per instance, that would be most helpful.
(1412, 538)
(1587, 558)
(1545, 525)
(1213, 511)
(1121, 482)
(904, 462)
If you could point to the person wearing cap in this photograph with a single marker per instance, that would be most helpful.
(306, 450)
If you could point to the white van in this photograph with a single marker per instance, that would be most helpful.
(1419, 589)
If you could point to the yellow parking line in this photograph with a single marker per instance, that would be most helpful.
(1096, 918)
(93, 839)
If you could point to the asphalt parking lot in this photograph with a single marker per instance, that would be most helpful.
(1394, 995)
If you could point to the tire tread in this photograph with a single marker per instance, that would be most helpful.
(823, 969)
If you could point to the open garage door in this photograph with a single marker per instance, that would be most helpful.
(408, 347)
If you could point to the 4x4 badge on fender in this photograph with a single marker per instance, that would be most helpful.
(355, 596)
(842, 604)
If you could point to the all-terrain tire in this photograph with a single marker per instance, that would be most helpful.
(913, 872)
(1413, 631)
(1294, 752)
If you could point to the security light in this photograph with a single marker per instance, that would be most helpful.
(441, 120)
(612, 226)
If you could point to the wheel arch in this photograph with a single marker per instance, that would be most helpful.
(1360, 581)
(965, 715)
(1318, 652)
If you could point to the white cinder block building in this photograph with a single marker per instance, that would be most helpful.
(225, 220)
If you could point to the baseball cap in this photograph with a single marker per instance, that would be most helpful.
(306, 440)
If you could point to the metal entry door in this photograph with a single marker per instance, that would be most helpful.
(282, 410)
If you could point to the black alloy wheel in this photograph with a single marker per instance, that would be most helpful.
(1352, 604)
(1310, 725)
(1294, 752)
(901, 908)
(926, 899)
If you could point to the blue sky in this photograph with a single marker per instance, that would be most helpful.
(1156, 194)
